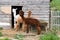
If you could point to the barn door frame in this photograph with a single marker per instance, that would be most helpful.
(17, 12)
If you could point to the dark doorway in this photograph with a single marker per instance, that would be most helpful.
(16, 10)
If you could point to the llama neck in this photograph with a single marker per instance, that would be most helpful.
(29, 15)
(23, 17)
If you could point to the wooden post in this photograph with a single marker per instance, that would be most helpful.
(50, 18)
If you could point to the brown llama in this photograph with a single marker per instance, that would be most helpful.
(30, 21)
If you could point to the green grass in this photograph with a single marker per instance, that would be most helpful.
(52, 35)
(49, 36)
(1, 34)
(4, 39)
(19, 36)
(1, 28)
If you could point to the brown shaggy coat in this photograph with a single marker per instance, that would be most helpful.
(30, 21)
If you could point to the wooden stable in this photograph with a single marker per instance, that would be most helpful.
(40, 10)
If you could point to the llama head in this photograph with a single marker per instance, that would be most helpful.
(21, 13)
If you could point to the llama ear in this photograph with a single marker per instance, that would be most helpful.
(29, 11)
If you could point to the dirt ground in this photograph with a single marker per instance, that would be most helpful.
(28, 36)
(11, 33)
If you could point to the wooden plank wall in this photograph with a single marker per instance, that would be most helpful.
(39, 8)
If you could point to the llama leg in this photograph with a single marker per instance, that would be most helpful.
(17, 28)
(27, 29)
(38, 30)
(24, 27)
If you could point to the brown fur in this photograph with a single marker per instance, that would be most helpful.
(30, 21)
(44, 26)
(29, 14)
